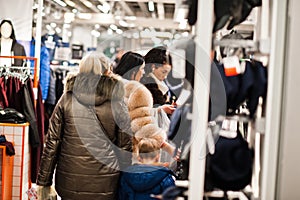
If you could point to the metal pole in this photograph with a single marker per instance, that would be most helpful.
(203, 41)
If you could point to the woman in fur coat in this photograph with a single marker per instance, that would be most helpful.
(89, 135)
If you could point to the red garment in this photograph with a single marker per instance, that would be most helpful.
(3, 97)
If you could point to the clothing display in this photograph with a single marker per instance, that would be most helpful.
(200, 111)
(44, 77)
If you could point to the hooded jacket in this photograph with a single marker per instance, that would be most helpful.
(138, 182)
(85, 139)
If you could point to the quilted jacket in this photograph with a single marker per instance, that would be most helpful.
(87, 150)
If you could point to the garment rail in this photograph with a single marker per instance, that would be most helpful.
(35, 74)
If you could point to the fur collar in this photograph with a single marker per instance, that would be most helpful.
(91, 89)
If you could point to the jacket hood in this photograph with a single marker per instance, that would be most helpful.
(91, 89)
(145, 177)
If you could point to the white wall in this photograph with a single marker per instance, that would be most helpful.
(289, 158)
(82, 34)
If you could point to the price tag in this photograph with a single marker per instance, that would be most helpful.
(232, 66)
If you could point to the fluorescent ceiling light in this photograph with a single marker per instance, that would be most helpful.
(123, 23)
(151, 6)
(61, 3)
(58, 30)
(53, 24)
(70, 3)
(113, 27)
(109, 31)
(84, 16)
(105, 8)
(130, 18)
(87, 4)
(95, 33)
(69, 17)
(119, 31)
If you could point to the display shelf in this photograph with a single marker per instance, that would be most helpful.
(18, 134)
(6, 174)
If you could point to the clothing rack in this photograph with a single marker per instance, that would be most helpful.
(35, 75)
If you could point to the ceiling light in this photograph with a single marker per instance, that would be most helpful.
(95, 33)
(109, 31)
(151, 6)
(113, 27)
(70, 3)
(185, 34)
(69, 17)
(119, 31)
(123, 23)
(105, 8)
(61, 3)
(97, 26)
(85, 16)
(53, 24)
(87, 4)
(58, 30)
(48, 27)
(130, 17)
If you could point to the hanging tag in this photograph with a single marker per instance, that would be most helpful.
(231, 66)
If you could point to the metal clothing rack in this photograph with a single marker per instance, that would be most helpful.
(35, 75)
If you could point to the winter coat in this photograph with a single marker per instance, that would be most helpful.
(138, 182)
(87, 158)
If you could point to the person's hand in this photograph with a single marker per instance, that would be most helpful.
(43, 192)
(169, 109)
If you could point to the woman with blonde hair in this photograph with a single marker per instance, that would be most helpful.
(89, 135)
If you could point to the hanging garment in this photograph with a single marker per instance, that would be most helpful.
(44, 76)
(246, 87)
(29, 112)
(3, 97)
(37, 152)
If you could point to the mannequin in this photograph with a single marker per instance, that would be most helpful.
(9, 45)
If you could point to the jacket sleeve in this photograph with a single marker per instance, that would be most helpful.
(124, 134)
(168, 181)
(52, 146)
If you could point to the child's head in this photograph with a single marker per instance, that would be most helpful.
(148, 150)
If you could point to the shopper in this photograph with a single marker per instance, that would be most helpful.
(158, 66)
(131, 66)
(85, 136)
(148, 177)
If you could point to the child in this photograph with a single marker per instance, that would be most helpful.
(148, 177)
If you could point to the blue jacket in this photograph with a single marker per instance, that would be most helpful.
(138, 182)
(44, 76)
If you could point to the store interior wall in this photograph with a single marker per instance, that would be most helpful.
(289, 159)
(82, 35)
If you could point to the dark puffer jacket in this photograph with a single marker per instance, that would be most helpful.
(87, 159)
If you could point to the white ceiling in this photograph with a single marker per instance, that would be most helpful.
(126, 14)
